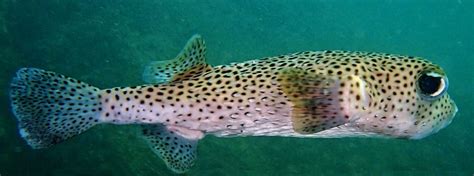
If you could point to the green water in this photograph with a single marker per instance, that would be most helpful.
(108, 42)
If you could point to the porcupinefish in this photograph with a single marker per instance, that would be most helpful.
(322, 94)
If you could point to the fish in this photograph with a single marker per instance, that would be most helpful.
(312, 94)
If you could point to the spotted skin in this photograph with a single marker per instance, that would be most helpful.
(306, 94)
(378, 95)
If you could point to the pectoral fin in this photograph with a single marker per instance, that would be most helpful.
(190, 62)
(315, 100)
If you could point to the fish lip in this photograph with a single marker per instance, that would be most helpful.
(436, 130)
(455, 108)
(453, 115)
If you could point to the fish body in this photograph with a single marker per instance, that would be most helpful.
(307, 94)
(247, 99)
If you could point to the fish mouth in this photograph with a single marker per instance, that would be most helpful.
(441, 126)
(452, 115)
(455, 108)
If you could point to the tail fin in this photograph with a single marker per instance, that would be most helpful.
(51, 108)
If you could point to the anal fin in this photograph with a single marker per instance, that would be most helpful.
(177, 150)
(315, 99)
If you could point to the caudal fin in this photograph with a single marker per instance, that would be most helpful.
(51, 108)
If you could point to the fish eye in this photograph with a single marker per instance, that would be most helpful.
(432, 85)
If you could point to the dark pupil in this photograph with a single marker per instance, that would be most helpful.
(429, 84)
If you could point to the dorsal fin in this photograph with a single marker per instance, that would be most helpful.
(315, 100)
(191, 61)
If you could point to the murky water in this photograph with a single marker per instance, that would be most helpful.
(107, 43)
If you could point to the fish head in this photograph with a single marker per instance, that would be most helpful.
(401, 97)
(435, 108)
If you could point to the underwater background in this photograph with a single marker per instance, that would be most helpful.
(107, 43)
